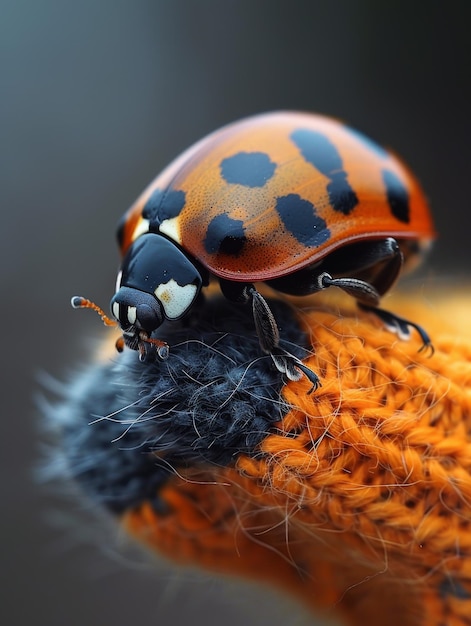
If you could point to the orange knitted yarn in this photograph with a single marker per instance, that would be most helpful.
(360, 503)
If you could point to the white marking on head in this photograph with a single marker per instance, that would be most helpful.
(116, 310)
(171, 229)
(132, 313)
(176, 299)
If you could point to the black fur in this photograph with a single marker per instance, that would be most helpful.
(127, 424)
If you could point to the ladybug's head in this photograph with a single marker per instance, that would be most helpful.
(157, 282)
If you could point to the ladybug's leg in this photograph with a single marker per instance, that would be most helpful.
(367, 299)
(359, 289)
(267, 332)
(268, 335)
(400, 325)
(365, 271)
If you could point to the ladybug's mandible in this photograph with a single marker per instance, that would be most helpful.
(298, 201)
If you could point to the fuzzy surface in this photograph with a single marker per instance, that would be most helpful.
(359, 500)
(355, 498)
(127, 425)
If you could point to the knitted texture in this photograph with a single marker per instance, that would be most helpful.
(359, 499)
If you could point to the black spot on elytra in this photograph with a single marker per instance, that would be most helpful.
(341, 195)
(251, 169)
(300, 219)
(397, 195)
(163, 205)
(225, 235)
(319, 151)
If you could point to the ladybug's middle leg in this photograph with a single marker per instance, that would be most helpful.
(267, 332)
(364, 270)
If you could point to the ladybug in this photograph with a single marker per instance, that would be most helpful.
(298, 201)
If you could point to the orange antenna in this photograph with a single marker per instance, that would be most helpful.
(135, 341)
(78, 302)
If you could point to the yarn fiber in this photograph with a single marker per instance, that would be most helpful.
(359, 500)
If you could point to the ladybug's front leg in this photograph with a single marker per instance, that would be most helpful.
(267, 332)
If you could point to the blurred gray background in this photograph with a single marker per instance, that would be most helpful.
(96, 97)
